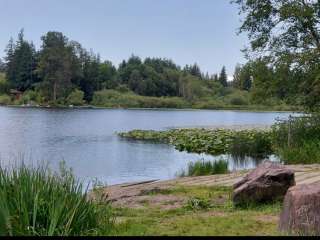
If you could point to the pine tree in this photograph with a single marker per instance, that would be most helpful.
(10, 63)
(20, 62)
(55, 66)
(223, 79)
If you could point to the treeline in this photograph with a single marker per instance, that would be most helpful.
(63, 72)
(61, 66)
(273, 83)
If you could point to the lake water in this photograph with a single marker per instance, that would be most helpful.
(86, 140)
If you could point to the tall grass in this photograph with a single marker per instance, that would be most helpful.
(204, 168)
(36, 202)
(256, 144)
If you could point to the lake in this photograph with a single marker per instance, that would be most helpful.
(86, 140)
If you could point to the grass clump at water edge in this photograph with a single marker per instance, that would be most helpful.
(36, 202)
(203, 168)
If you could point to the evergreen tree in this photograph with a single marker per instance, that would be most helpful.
(55, 66)
(21, 63)
(223, 78)
(10, 61)
(2, 66)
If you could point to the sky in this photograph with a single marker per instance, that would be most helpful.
(186, 31)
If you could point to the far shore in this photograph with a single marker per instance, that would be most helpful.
(149, 109)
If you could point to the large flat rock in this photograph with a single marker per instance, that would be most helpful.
(268, 182)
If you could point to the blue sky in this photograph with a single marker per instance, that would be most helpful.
(186, 31)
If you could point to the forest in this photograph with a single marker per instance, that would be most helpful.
(63, 73)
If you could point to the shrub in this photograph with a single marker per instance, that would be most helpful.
(112, 98)
(301, 143)
(31, 96)
(4, 86)
(238, 98)
(5, 99)
(76, 98)
(307, 153)
(37, 202)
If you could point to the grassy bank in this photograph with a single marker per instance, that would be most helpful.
(37, 202)
(129, 100)
(208, 211)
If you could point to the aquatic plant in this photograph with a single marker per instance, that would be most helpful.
(203, 168)
(252, 143)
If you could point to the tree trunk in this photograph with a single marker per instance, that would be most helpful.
(55, 91)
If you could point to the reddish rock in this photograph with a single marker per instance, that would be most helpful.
(269, 181)
(301, 210)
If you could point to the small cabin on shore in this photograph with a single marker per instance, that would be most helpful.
(15, 94)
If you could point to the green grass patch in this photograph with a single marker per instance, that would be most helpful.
(209, 212)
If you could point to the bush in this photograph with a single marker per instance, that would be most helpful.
(238, 100)
(31, 96)
(202, 168)
(76, 98)
(5, 99)
(307, 153)
(303, 144)
(37, 202)
(4, 86)
(112, 98)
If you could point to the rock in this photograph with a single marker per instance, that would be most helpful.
(269, 181)
(301, 210)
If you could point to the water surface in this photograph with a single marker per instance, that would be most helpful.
(85, 139)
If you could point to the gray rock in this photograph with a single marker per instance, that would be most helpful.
(268, 182)
(301, 210)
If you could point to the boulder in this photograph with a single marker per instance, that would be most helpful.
(301, 210)
(268, 182)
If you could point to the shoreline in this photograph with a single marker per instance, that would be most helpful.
(91, 107)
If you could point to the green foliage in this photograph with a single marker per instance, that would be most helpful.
(4, 86)
(300, 144)
(198, 204)
(5, 99)
(215, 142)
(55, 65)
(292, 48)
(75, 98)
(112, 98)
(32, 97)
(238, 98)
(223, 78)
(204, 168)
(62, 65)
(36, 202)
(21, 63)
